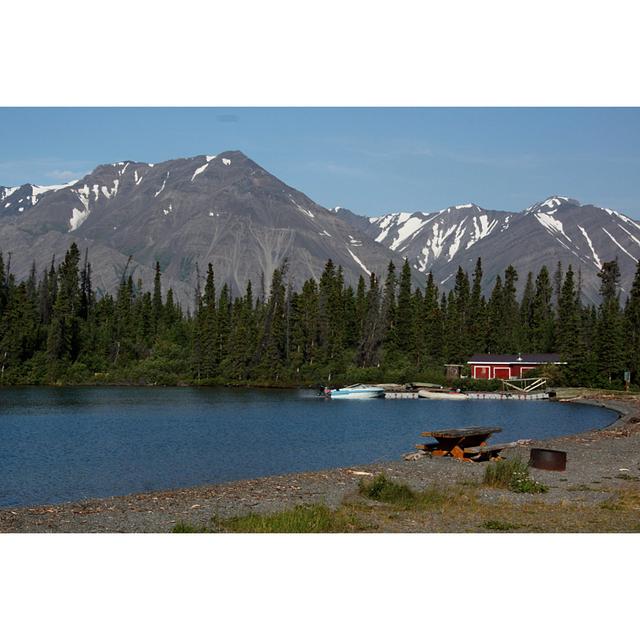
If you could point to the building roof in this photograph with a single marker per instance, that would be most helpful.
(514, 358)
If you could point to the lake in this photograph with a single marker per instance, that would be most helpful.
(68, 444)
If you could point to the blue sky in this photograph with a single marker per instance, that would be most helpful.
(367, 159)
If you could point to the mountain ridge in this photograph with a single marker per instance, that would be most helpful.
(226, 209)
(556, 229)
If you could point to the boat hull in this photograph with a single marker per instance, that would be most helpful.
(356, 394)
(440, 395)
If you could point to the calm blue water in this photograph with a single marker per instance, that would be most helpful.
(58, 445)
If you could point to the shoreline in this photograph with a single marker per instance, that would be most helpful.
(594, 458)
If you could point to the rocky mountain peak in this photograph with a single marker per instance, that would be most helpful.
(552, 205)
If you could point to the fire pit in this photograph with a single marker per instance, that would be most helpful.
(548, 459)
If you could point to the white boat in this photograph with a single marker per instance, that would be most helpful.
(355, 391)
(442, 394)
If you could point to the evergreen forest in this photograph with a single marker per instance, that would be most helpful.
(55, 329)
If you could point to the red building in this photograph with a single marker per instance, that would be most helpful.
(487, 366)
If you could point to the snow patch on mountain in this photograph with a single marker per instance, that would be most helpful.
(630, 235)
(226, 162)
(596, 258)
(110, 193)
(619, 245)
(302, 209)
(198, 171)
(7, 192)
(408, 227)
(455, 245)
(611, 212)
(38, 190)
(161, 189)
(553, 225)
(482, 228)
(359, 262)
(78, 216)
(435, 244)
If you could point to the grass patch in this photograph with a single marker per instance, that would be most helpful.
(499, 525)
(384, 490)
(512, 474)
(628, 500)
(316, 518)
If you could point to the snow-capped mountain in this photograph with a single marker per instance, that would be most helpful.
(555, 229)
(227, 210)
(223, 209)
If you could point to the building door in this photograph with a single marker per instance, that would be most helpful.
(502, 373)
(481, 373)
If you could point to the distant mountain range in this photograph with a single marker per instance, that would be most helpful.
(227, 210)
(556, 229)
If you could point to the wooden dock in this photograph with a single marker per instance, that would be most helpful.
(401, 395)
(507, 396)
(472, 395)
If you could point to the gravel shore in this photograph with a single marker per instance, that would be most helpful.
(600, 463)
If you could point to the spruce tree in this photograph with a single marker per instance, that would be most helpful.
(568, 319)
(526, 315)
(433, 323)
(157, 299)
(542, 316)
(495, 314)
(477, 313)
(404, 337)
(63, 334)
(372, 331)
(510, 312)
(610, 336)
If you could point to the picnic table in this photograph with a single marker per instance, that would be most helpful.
(464, 444)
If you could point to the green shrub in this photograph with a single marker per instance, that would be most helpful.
(512, 474)
(384, 490)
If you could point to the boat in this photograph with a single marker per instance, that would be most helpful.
(442, 394)
(355, 391)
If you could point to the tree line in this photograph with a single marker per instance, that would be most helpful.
(54, 329)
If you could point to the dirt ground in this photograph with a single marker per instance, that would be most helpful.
(599, 491)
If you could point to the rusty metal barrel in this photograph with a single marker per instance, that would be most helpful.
(548, 459)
